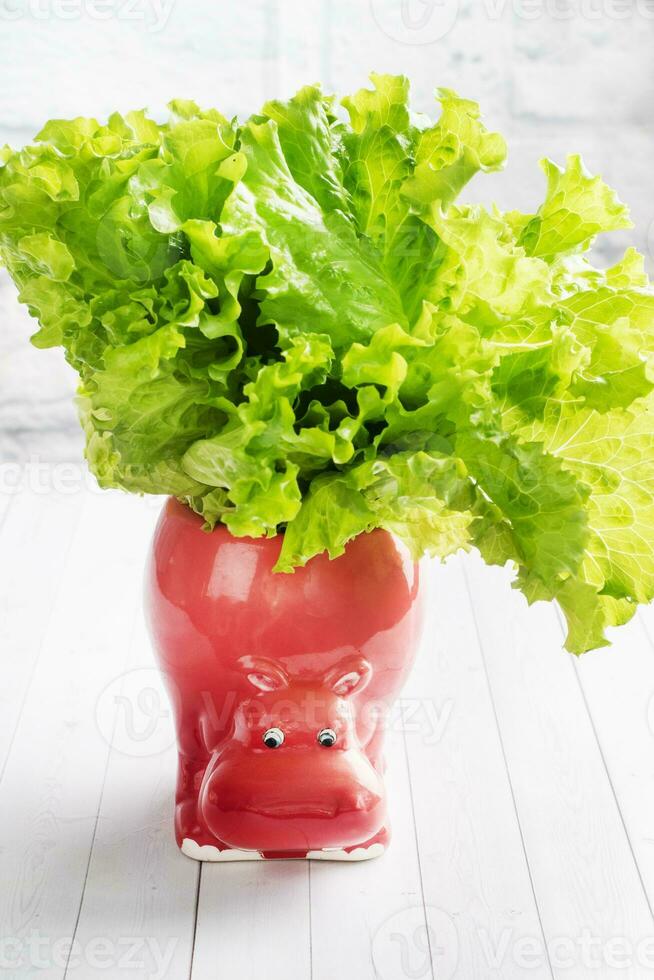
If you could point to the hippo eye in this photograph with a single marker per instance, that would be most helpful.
(327, 737)
(273, 738)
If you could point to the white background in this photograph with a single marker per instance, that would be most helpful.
(554, 76)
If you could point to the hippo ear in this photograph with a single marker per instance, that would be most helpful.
(349, 676)
(263, 674)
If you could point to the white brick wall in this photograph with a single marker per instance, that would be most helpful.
(553, 75)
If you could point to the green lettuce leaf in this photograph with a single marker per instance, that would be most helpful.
(295, 325)
(577, 207)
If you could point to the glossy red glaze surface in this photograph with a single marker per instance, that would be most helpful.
(245, 650)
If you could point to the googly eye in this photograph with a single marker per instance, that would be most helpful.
(327, 737)
(273, 738)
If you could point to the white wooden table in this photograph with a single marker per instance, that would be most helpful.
(522, 791)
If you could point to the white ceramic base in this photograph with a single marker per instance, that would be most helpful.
(338, 854)
(207, 852)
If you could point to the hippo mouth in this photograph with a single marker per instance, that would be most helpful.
(281, 826)
(288, 811)
(362, 802)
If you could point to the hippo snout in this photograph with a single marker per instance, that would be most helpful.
(251, 803)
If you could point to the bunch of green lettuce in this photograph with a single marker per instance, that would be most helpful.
(290, 325)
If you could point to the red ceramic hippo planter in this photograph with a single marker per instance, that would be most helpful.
(281, 686)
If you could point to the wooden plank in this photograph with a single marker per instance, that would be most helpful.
(477, 886)
(6, 499)
(253, 921)
(53, 780)
(35, 539)
(368, 904)
(591, 901)
(140, 892)
(618, 686)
